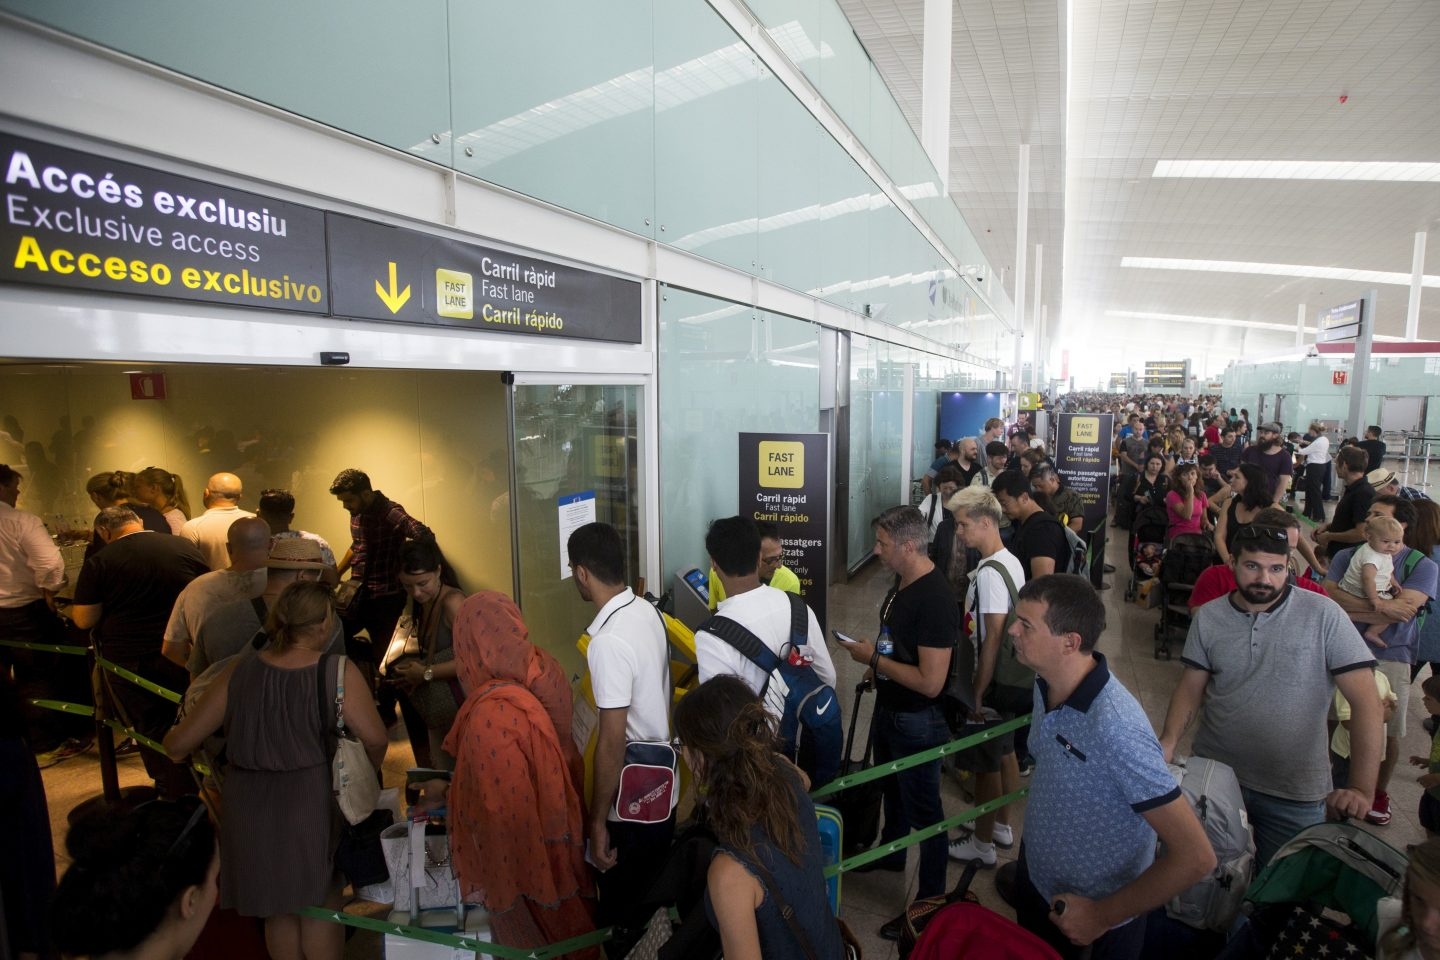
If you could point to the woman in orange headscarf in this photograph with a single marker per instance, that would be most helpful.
(517, 818)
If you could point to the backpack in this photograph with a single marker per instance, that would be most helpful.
(1079, 562)
(1412, 560)
(1214, 793)
(1009, 672)
(810, 726)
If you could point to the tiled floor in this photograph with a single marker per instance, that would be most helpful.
(871, 899)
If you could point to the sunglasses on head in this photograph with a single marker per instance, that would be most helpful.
(1257, 532)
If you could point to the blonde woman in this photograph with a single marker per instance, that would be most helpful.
(279, 826)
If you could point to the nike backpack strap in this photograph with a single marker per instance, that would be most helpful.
(749, 645)
(799, 621)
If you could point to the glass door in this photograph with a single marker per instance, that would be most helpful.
(575, 459)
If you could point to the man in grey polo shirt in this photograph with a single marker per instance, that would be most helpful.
(1263, 661)
(1100, 794)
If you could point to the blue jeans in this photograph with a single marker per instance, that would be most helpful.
(912, 797)
(1276, 820)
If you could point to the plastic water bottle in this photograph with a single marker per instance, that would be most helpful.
(885, 647)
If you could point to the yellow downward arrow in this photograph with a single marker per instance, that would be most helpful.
(392, 298)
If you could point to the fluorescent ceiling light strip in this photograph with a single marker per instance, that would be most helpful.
(1207, 321)
(1277, 270)
(1221, 322)
(1369, 170)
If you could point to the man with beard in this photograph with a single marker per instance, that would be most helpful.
(1261, 666)
(379, 527)
(1269, 454)
(629, 663)
(968, 461)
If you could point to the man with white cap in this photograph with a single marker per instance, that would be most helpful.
(1386, 482)
(232, 627)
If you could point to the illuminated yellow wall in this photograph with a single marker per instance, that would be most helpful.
(433, 441)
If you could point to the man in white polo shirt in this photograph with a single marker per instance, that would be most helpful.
(630, 675)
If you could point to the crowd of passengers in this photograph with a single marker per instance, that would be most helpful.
(244, 614)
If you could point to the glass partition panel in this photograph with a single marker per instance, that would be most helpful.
(374, 68)
(706, 144)
(876, 411)
(576, 449)
(845, 71)
(724, 369)
(564, 113)
(432, 441)
(842, 245)
(791, 219)
(795, 25)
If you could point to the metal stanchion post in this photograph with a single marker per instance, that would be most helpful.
(104, 738)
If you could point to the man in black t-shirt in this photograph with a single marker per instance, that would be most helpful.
(125, 593)
(1039, 542)
(1346, 526)
(1374, 448)
(920, 618)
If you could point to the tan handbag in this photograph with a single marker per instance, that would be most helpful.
(352, 778)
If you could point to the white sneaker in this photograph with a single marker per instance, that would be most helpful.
(971, 849)
(1004, 836)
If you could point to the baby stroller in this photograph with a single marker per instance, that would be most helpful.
(1147, 546)
(1183, 561)
(1327, 867)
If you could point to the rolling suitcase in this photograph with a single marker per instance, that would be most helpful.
(859, 806)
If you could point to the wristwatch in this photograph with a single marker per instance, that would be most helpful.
(429, 674)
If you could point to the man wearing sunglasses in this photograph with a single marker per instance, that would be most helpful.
(1261, 665)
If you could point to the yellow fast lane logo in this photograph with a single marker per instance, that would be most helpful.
(782, 463)
(1085, 430)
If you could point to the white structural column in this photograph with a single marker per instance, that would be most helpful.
(935, 73)
(1417, 275)
(1043, 353)
(1300, 325)
(1038, 326)
(1022, 223)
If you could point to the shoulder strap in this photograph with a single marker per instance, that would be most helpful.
(323, 692)
(261, 611)
(1004, 575)
(750, 646)
(1412, 560)
(930, 514)
(787, 912)
(799, 621)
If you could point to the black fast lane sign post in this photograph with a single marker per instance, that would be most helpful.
(785, 479)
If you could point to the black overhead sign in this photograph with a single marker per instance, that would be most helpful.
(81, 221)
(380, 272)
(77, 220)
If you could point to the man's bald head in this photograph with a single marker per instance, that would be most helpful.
(223, 489)
(248, 542)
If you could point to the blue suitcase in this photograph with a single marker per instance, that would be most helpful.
(831, 842)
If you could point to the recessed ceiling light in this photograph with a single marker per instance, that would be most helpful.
(1382, 170)
(1277, 270)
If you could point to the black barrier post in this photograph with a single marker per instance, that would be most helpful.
(1097, 556)
(104, 739)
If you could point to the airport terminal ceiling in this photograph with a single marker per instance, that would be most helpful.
(1206, 167)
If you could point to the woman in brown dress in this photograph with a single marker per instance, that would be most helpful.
(279, 825)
